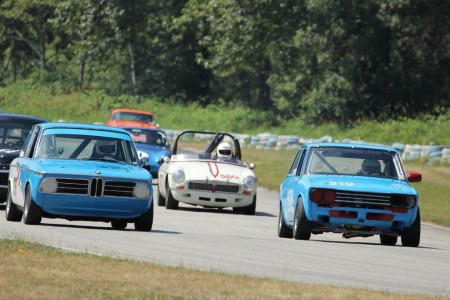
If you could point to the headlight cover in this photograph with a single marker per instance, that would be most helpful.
(250, 182)
(141, 191)
(178, 176)
(48, 185)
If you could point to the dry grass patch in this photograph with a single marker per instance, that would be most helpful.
(32, 271)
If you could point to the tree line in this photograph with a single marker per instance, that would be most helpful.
(319, 60)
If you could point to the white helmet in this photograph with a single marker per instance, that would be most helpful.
(105, 148)
(224, 151)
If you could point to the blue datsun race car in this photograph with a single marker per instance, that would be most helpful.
(80, 172)
(151, 143)
(354, 189)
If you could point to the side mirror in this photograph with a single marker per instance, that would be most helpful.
(252, 166)
(166, 159)
(414, 177)
(143, 161)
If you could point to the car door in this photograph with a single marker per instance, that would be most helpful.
(21, 167)
(287, 187)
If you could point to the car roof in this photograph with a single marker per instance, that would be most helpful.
(142, 128)
(350, 145)
(82, 126)
(19, 118)
(132, 111)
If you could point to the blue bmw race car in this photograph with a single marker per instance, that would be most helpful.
(353, 189)
(80, 172)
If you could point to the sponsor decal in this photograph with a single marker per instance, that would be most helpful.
(214, 170)
(228, 176)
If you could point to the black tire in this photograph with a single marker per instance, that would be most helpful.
(119, 224)
(171, 203)
(411, 235)
(283, 230)
(32, 213)
(12, 213)
(161, 199)
(247, 210)
(302, 226)
(145, 221)
(388, 240)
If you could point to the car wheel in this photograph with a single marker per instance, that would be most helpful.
(161, 199)
(411, 235)
(247, 210)
(171, 203)
(119, 224)
(388, 240)
(145, 221)
(12, 213)
(32, 213)
(283, 230)
(302, 226)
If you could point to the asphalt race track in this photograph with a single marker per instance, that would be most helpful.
(219, 240)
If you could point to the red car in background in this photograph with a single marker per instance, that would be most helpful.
(131, 117)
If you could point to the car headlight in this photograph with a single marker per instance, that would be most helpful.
(249, 182)
(48, 185)
(178, 176)
(141, 191)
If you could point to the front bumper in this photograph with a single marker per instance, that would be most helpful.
(351, 218)
(213, 199)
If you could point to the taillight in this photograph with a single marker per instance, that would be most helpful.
(315, 195)
(322, 197)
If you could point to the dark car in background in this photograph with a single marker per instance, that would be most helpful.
(14, 129)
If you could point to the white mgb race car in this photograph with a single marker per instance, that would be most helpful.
(213, 176)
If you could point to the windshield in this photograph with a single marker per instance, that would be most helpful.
(12, 136)
(355, 161)
(150, 137)
(86, 147)
(132, 116)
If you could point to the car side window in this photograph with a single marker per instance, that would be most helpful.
(30, 142)
(296, 166)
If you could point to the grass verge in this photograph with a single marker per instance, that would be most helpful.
(33, 271)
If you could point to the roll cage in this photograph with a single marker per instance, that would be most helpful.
(216, 140)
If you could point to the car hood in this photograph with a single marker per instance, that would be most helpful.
(7, 155)
(153, 152)
(213, 171)
(361, 184)
(92, 168)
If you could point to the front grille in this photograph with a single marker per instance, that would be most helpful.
(119, 189)
(4, 179)
(224, 188)
(98, 187)
(361, 199)
(72, 186)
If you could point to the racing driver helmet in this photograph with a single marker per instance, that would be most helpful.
(224, 151)
(105, 148)
(371, 166)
